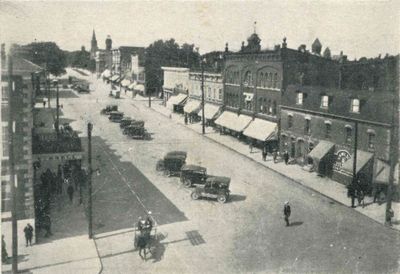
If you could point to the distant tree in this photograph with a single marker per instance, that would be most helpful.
(46, 54)
(80, 59)
(327, 53)
(167, 53)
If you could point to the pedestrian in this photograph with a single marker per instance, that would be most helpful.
(275, 155)
(44, 102)
(351, 193)
(389, 216)
(186, 119)
(286, 212)
(376, 191)
(4, 254)
(286, 157)
(70, 191)
(360, 197)
(149, 221)
(142, 245)
(28, 231)
(264, 153)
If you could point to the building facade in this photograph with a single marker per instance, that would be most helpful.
(176, 81)
(103, 57)
(93, 48)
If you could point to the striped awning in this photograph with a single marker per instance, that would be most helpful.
(232, 121)
(260, 130)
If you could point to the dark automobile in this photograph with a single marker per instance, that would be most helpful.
(193, 175)
(126, 121)
(136, 132)
(133, 124)
(216, 187)
(116, 116)
(82, 88)
(65, 86)
(108, 109)
(172, 163)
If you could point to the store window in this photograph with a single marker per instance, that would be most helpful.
(290, 121)
(220, 94)
(328, 128)
(348, 135)
(307, 127)
(248, 81)
(371, 140)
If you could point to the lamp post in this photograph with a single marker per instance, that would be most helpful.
(55, 82)
(203, 129)
(89, 129)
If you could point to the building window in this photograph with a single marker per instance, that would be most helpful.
(275, 82)
(248, 81)
(290, 121)
(299, 98)
(220, 94)
(261, 80)
(307, 127)
(269, 79)
(355, 105)
(328, 128)
(348, 135)
(325, 101)
(214, 94)
(4, 139)
(274, 108)
(209, 93)
(371, 140)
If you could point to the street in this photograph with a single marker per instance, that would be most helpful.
(247, 234)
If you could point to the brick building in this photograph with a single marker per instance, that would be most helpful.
(175, 87)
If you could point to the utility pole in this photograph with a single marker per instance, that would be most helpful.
(89, 129)
(354, 181)
(202, 98)
(58, 109)
(149, 99)
(393, 158)
(11, 131)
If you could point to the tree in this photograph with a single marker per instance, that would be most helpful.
(81, 59)
(327, 53)
(46, 54)
(167, 53)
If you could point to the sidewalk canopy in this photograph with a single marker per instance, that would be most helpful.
(381, 172)
(232, 121)
(261, 130)
(125, 83)
(210, 111)
(176, 100)
(132, 86)
(192, 106)
(363, 158)
(139, 87)
(321, 150)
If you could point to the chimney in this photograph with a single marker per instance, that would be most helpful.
(226, 47)
(242, 48)
(284, 44)
(302, 48)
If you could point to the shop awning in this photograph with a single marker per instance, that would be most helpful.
(176, 100)
(261, 130)
(139, 87)
(232, 121)
(192, 106)
(210, 111)
(106, 74)
(248, 96)
(125, 83)
(381, 172)
(321, 150)
(363, 158)
(132, 86)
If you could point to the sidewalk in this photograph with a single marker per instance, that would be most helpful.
(322, 185)
(68, 250)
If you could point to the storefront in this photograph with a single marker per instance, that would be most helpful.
(263, 133)
(322, 158)
(210, 113)
(191, 108)
(230, 122)
(177, 102)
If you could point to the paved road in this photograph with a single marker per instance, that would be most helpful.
(245, 235)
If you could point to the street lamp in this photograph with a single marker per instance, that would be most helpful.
(89, 129)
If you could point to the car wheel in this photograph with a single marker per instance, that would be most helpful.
(195, 196)
(221, 199)
(187, 183)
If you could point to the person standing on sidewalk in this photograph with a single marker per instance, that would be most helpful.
(142, 245)
(28, 231)
(275, 155)
(351, 193)
(286, 157)
(70, 191)
(4, 254)
(286, 212)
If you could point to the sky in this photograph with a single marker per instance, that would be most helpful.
(358, 28)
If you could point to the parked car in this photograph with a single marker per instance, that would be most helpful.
(193, 175)
(133, 123)
(126, 121)
(136, 132)
(116, 116)
(65, 86)
(83, 88)
(216, 187)
(108, 109)
(172, 163)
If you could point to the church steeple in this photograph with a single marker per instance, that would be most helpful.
(93, 47)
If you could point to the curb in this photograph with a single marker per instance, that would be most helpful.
(280, 173)
(98, 255)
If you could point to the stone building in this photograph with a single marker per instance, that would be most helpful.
(175, 87)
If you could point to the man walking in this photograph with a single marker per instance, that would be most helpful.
(28, 230)
(286, 212)
(351, 192)
(4, 254)
(286, 157)
(142, 245)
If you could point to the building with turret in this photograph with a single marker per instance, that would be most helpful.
(103, 57)
(93, 47)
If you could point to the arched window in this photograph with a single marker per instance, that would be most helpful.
(261, 80)
(274, 108)
(247, 81)
(265, 108)
(269, 111)
(265, 80)
(269, 81)
(275, 80)
(214, 94)
(260, 106)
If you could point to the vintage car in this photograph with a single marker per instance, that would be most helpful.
(83, 88)
(116, 116)
(193, 175)
(126, 121)
(133, 124)
(172, 163)
(136, 132)
(108, 109)
(216, 187)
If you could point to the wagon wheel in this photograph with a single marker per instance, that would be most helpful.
(195, 195)
(221, 199)
(187, 182)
